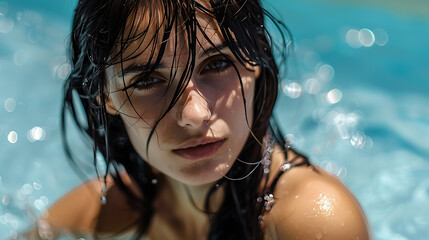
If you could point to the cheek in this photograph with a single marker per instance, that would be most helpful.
(139, 108)
(235, 102)
(138, 135)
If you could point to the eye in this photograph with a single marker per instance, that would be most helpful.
(146, 84)
(216, 65)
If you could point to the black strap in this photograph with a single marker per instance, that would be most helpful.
(290, 164)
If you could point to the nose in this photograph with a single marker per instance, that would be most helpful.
(195, 112)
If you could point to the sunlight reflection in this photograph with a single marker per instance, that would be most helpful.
(326, 72)
(12, 137)
(381, 37)
(366, 37)
(334, 96)
(312, 86)
(293, 90)
(36, 134)
(10, 104)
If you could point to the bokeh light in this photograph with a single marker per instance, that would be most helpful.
(6, 24)
(366, 37)
(326, 72)
(293, 89)
(334, 96)
(12, 137)
(36, 134)
(10, 104)
(352, 38)
(312, 86)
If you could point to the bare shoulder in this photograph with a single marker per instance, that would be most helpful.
(81, 212)
(312, 204)
(78, 210)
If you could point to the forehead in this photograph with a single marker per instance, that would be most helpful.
(146, 30)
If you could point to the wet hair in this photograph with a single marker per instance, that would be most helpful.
(102, 30)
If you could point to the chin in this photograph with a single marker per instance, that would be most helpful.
(209, 173)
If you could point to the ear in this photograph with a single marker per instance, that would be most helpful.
(258, 70)
(110, 107)
(108, 103)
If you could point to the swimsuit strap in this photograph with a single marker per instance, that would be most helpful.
(268, 198)
(286, 166)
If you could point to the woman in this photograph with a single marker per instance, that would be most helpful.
(178, 97)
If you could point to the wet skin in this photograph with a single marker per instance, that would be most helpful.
(210, 109)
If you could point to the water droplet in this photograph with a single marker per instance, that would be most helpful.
(103, 199)
(342, 224)
(319, 236)
(37, 186)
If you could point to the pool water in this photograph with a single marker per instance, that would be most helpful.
(355, 101)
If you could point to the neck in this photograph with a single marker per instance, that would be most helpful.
(183, 206)
(193, 198)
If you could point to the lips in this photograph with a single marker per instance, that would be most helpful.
(198, 150)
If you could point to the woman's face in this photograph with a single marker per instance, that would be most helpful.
(198, 140)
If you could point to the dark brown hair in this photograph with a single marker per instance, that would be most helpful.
(98, 40)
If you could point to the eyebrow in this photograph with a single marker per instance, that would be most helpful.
(213, 49)
(133, 68)
(145, 67)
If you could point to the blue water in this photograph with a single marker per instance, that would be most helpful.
(360, 113)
